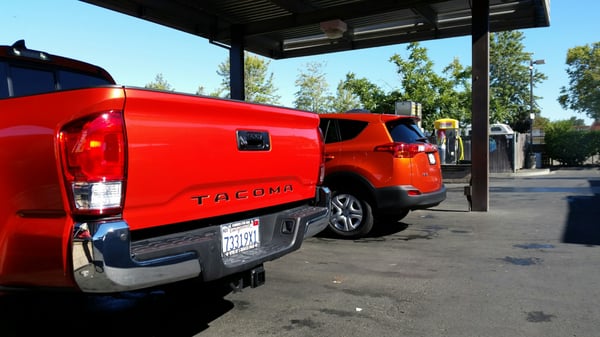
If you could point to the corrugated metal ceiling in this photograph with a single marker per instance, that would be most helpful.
(286, 28)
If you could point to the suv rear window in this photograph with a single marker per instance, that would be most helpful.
(337, 130)
(406, 131)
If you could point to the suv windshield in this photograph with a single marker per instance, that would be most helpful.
(406, 131)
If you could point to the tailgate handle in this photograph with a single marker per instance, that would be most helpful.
(253, 140)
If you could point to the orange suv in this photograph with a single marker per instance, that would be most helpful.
(379, 167)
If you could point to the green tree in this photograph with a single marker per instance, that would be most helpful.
(312, 86)
(370, 95)
(510, 79)
(568, 145)
(159, 83)
(200, 90)
(419, 83)
(583, 93)
(344, 99)
(542, 122)
(258, 83)
(449, 95)
(455, 93)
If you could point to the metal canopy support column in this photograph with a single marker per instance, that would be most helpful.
(480, 110)
(236, 64)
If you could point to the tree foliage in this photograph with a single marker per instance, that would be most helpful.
(419, 82)
(449, 95)
(159, 83)
(312, 94)
(510, 80)
(583, 92)
(440, 96)
(258, 82)
(344, 99)
(568, 145)
(369, 94)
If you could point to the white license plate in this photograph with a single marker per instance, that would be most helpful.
(237, 237)
(431, 157)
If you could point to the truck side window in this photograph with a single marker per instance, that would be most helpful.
(28, 81)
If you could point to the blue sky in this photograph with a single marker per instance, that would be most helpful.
(135, 51)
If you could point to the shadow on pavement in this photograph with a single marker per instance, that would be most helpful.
(152, 313)
(380, 229)
(387, 228)
(583, 221)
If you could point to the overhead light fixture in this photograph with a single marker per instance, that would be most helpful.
(334, 29)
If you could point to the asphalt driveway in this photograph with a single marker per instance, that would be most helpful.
(527, 267)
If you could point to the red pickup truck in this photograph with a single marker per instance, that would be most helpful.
(109, 188)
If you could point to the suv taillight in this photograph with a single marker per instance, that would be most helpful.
(405, 150)
(93, 159)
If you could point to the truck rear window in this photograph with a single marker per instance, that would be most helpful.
(20, 80)
(27, 81)
(72, 80)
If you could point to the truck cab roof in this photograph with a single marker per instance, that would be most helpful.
(20, 67)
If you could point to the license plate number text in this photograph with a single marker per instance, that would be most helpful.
(237, 237)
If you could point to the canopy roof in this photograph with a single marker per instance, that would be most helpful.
(280, 29)
(290, 28)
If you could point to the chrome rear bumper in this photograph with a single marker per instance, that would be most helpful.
(105, 259)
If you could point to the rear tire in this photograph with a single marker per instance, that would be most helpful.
(351, 217)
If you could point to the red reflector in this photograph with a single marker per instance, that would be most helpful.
(414, 192)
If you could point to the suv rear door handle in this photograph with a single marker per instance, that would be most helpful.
(328, 157)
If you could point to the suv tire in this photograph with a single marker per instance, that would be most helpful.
(351, 216)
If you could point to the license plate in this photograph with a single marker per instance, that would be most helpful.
(240, 236)
(431, 157)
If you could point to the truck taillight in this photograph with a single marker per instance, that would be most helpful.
(93, 159)
(405, 150)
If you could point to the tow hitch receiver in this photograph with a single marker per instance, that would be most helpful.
(257, 276)
(252, 278)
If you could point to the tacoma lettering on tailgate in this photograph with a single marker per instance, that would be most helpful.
(243, 194)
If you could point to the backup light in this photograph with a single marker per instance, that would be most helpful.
(88, 196)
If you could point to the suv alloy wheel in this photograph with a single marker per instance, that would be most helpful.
(350, 215)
